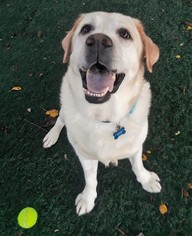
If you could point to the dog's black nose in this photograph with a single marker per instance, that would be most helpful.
(99, 40)
(99, 49)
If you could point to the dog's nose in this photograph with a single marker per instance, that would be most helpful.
(99, 40)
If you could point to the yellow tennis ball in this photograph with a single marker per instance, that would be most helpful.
(27, 217)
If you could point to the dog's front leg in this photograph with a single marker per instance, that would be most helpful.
(85, 201)
(149, 180)
(53, 135)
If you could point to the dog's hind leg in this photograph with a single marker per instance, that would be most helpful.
(149, 180)
(53, 135)
(85, 201)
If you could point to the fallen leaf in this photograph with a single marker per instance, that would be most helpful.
(178, 56)
(177, 133)
(140, 234)
(16, 88)
(144, 157)
(163, 209)
(184, 193)
(148, 152)
(39, 34)
(52, 113)
(187, 25)
(189, 186)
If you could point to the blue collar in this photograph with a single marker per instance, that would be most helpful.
(119, 129)
(133, 108)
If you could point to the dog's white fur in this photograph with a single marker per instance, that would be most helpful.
(91, 138)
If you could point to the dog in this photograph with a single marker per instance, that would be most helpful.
(104, 97)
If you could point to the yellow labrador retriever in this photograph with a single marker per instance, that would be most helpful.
(105, 99)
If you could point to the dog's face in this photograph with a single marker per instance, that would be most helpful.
(107, 49)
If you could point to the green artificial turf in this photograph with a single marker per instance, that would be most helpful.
(31, 57)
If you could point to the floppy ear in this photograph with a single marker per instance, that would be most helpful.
(67, 41)
(151, 50)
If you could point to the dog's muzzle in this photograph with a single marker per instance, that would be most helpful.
(99, 81)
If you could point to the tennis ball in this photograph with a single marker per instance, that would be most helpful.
(27, 217)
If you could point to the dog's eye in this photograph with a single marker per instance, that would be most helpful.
(124, 33)
(86, 29)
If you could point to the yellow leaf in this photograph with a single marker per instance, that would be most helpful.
(16, 88)
(52, 113)
(178, 56)
(148, 152)
(189, 27)
(163, 209)
(144, 157)
(189, 185)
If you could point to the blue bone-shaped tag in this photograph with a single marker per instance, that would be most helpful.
(119, 132)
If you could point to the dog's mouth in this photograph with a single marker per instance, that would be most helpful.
(99, 83)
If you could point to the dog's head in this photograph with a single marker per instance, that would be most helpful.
(106, 48)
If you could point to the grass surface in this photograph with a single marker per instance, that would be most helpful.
(31, 57)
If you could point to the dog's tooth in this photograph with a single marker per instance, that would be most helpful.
(88, 71)
(89, 93)
(106, 90)
(113, 76)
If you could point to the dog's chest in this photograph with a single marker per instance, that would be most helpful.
(97, 141)
(110, 148)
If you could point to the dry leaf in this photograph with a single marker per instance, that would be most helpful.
(163, 209)
(65, 156)
(189, 186)
(141, 234)
(184, 193)
(39, 34)
(52, 113)
(187, 25)
(144, 157)
(177, 133)
(16, 88)
(148, 152)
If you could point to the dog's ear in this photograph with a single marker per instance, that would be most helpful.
(151, 50)
(67, 41)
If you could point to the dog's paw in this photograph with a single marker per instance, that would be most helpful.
(150, 182)
(51, 138)
(84, 204)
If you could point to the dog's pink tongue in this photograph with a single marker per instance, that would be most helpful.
(98, 82)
